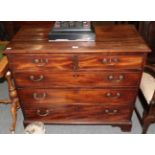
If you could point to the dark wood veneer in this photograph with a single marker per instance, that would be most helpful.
(89, 114)
(77, 79)
(84, 61)
(48, 97)
(94, 83)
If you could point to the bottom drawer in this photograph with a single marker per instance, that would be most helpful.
(79, 114)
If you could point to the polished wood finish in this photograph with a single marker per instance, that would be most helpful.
(80, 114)
(14, 100)
(49, 97)
(78, 82)
(78, 79)
(103, 62)
(84, 61)
(4, 72)
(3, 66)
(108, 39)
(42, 61)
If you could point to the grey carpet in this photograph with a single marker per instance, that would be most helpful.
(5, 122)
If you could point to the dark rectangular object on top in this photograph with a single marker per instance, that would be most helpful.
(72, 31)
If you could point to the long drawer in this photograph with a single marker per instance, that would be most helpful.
(88, 114)
(76, 79)
(75, 62)
(32, 98)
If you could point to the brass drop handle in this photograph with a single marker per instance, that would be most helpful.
(33, 78)
(37, 96)
(40, 62)
(119, 79)
(110, 77)
(105, 61)
(110, 95)
(42, 113)
(111, 112)
(115, 60)
(110, 61)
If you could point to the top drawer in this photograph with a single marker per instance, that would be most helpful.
(41, 61)
(99, 62)
(73, 62)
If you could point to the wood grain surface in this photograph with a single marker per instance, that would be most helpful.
(78, 82)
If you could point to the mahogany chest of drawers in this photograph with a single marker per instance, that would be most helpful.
(78, 82)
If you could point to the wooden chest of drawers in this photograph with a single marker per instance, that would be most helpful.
(78, 82)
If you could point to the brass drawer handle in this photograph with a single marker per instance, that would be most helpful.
(33, 78)
(43, 113)
(115, 60)
(105, 61)
(37, 96)
(110, 61)
(111, 112)
(119, 79)
(110, 77)
(110, 95)
(40, 62)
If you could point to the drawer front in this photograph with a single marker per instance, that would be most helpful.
(41, 62)
(78, 114)
(99, 62)
(74, 62)
(48, 97)
(77, 79)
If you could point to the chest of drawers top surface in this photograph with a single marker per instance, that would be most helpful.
(118, 38)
